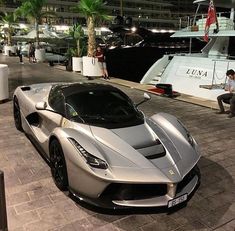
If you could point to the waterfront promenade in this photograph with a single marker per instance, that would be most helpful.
(34, 202)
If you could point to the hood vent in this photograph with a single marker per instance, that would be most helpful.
(26, 88)
(156, 150)
(155, 156)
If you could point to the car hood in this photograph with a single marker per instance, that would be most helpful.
(134, 142)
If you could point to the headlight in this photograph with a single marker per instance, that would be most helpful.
(189, 137)
(93, 161)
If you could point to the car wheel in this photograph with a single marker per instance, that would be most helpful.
(58, 165)
(17, 115)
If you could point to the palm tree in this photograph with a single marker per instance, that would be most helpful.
(9, 19)
(93, 10)
(33, 10)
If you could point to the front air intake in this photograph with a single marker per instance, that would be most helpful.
(117, 191)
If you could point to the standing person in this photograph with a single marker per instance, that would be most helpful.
(230, 87)
(31, 52)
(19, 52)
(101, 60)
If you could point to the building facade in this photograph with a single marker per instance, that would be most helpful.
(152, 14)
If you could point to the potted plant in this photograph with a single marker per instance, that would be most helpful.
(93, 10)
(77, 33)
(69, 54)
(9, 19)
(33, 11)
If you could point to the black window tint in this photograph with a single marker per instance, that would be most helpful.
(105, 108)
(56, 101)
(95, 102)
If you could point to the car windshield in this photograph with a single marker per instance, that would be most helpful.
(104, 108)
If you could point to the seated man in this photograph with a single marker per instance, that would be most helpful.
(230, 96)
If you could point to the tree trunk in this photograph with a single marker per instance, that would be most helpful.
(9, 38)
(78, 48)
(37, 33)
(91, 36)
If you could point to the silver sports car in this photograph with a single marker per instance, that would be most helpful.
(103, 149)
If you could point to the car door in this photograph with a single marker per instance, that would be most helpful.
(50, 119)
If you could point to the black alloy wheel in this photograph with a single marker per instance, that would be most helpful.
(17, 115)
(58, 165)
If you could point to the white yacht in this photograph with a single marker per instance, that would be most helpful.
(199, 74)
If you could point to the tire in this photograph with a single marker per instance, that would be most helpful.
(17, 115)
(58, 165)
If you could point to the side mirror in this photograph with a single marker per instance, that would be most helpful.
(146, 98)
(41, 105)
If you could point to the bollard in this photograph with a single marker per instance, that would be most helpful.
(4, 86)
(3, 211)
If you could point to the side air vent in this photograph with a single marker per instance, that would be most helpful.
(33, 119)
(26, 88)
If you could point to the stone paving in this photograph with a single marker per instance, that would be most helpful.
(34, 202)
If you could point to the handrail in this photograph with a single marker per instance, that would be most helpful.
(188, 21)
(3, 212)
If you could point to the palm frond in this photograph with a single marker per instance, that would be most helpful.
(8, 18)
(92, 8)
(94, 11)
(32, 10)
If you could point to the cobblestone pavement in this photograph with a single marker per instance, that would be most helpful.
(34, 203)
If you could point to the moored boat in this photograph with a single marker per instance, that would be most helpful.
(199, 74)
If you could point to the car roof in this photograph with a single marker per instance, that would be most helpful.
(74, 88)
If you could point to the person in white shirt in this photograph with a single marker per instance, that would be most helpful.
(230, 96)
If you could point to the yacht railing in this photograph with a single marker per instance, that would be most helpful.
(219, 81)
(197, 22)
(216, 77)
(222, 58)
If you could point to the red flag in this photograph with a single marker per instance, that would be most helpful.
(211, 18)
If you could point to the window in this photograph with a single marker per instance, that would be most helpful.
(103, 108)
(56, 101)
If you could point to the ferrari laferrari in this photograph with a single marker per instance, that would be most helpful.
(103, 149)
